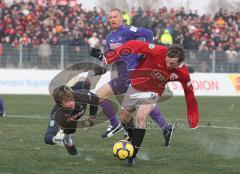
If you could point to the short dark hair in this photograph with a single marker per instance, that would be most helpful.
(176, 51)
(62, 93)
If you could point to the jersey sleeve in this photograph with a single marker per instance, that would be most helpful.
(139, 33)
(81, 85)
(108, 41)
(90, 98)
(191, 102)
(134, 47)
(94, 101)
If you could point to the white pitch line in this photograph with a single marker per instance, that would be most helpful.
(215, 120)
(27, 116)
(46, 118)
(220, 127)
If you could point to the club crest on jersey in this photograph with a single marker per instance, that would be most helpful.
(151, 46)
(173, 76)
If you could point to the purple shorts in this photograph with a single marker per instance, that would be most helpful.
(120, 84)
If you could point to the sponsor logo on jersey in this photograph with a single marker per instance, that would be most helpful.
(173, 76)
(115, 45)
(157, 75)
(75, 116)
(151, 46)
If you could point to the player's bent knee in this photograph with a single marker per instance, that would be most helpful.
(48, 139)
(125, 115)
(141, 119)
(130, 109)
(141, 122)
(104, 92)
(69, 131)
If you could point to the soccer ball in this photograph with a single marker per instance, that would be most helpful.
(123, 149)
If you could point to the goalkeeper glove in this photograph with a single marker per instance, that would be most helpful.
(91, 120)
(94, 52)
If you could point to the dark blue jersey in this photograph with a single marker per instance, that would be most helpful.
(121, 36)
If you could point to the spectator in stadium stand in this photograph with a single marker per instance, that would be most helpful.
(232, 59)
(78, 39)
(102, 29)
(26, 42)
(44, 52)
(55, 46)
(37, 19)
(177, 35)
(1, 53)
(58, 27)
(166, 38)
(138, 18)
(94, 41)
(190, 42)
(133, 11)
(2, 5)
(126, 18)
(203, 46)
(1, 30)
(35, 42)
(99, 17)
(102, 42)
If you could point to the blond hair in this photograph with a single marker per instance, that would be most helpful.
(62, 93)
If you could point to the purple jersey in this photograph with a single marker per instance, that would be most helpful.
(121, 36)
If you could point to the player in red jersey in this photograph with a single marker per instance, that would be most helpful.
(159, 66)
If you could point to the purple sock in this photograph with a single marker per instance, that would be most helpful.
(1, 105)
(157, 116)
(107, 107)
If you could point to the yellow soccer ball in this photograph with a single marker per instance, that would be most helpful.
(123, 149)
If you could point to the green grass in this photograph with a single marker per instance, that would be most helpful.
(213, 148)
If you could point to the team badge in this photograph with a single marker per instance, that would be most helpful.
(173, 76)
(151, 46)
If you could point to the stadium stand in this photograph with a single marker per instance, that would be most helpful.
(63, 30)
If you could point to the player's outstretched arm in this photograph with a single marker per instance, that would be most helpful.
(192, 106)
(130, 47)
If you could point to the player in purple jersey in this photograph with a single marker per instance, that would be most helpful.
(119, 85)
(2, 113)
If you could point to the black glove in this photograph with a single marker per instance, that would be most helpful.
(94, 52)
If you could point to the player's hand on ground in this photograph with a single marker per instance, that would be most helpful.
(91, 120)
(95, 52)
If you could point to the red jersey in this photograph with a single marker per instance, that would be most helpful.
(152, 74)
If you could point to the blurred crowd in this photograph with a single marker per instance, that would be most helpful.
(33, 25)
(30, 23)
